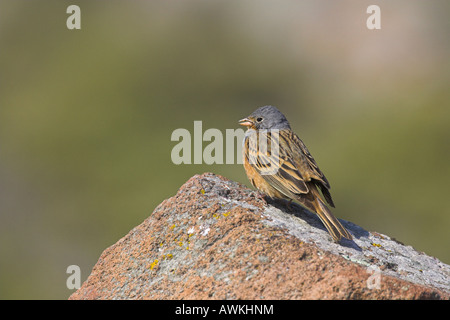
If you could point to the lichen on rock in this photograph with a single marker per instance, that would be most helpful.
(217, 239)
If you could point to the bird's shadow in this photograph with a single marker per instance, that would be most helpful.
(313, 220)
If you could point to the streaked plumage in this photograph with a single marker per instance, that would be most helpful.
(289, 171)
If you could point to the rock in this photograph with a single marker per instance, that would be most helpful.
(217, 239)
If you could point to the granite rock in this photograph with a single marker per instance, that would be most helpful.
(217, 239)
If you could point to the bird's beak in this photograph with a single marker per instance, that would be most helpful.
(246, 122)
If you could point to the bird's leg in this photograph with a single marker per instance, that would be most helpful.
(259, 196)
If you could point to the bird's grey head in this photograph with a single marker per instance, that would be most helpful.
(266, 118)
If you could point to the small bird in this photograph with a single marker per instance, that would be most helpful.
(278, 164)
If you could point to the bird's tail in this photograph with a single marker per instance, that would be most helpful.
(332, 224)
(334, 227)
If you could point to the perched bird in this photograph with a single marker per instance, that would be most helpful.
(278, 164)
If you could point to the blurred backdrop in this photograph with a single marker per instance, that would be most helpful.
(86, 116)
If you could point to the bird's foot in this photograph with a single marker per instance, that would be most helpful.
(258, 196)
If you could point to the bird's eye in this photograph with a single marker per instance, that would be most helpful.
(259, 119)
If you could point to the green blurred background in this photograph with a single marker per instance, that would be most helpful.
(86, 115)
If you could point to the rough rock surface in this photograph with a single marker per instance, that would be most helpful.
(216, 239)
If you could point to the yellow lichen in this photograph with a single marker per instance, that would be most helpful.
(154, 264)
(167, 256)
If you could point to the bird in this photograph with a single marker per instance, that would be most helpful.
(278, 164)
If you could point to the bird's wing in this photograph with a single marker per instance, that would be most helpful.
(311, 170)
(275, 164)
(304, 160)
(287, 168)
